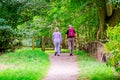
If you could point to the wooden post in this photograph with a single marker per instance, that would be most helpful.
(13, 48)
(33, 43)
(43, 44)
(78, 39)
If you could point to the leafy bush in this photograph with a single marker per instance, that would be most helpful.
(113, 45)
(6, 37)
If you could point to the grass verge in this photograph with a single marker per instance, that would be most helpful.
(24, 65)
(90, 69)
(52, 51)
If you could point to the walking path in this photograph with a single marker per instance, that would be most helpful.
(63, 67)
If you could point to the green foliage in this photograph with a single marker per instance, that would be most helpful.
(16, 12)
(6, 37)
(114, 61)
(35, 27)
(113, 45)
(62, 13)
(24, 64)
(114, 1)
(55, 13)
(2, 21)
(114, 38)
(10, 10)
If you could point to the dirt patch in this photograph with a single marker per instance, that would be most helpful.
(3, 66)
(63, 67)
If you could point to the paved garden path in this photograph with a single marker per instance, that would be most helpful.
(63, 67)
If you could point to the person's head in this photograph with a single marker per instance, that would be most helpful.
(56, 29)
(69, 26)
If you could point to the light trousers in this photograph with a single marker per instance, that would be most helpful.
(57, 45)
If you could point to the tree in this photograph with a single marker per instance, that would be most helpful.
(109, 13)
(6, 37)
(13, 13)
(16, 12)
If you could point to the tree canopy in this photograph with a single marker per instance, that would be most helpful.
(40, 17)
(16, 12)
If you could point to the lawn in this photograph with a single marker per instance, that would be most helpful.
(90, 69)
(52, 51)
(24, 64)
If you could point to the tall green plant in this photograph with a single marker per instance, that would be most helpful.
(113, 45)
(114, 38)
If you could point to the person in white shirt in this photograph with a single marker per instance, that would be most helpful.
(57, 39)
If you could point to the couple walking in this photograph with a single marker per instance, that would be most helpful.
(57, 40)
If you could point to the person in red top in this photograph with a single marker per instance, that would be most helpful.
(70, 35)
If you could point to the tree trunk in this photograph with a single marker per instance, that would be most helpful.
(112, 21)
(33, 43)
(43, 43)
(107, 15)
(102, 25)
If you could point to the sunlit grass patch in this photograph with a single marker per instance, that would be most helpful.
(90, 69)
(52, 51)
(26, 65)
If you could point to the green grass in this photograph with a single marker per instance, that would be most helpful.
(24, 65)
(52, 51)
(91, 69)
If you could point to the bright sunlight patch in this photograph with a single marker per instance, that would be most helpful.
(23, 65)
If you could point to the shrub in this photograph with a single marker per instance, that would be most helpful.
(113, 46)
(6, 37)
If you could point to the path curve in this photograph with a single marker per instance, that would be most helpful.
(63, 67)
